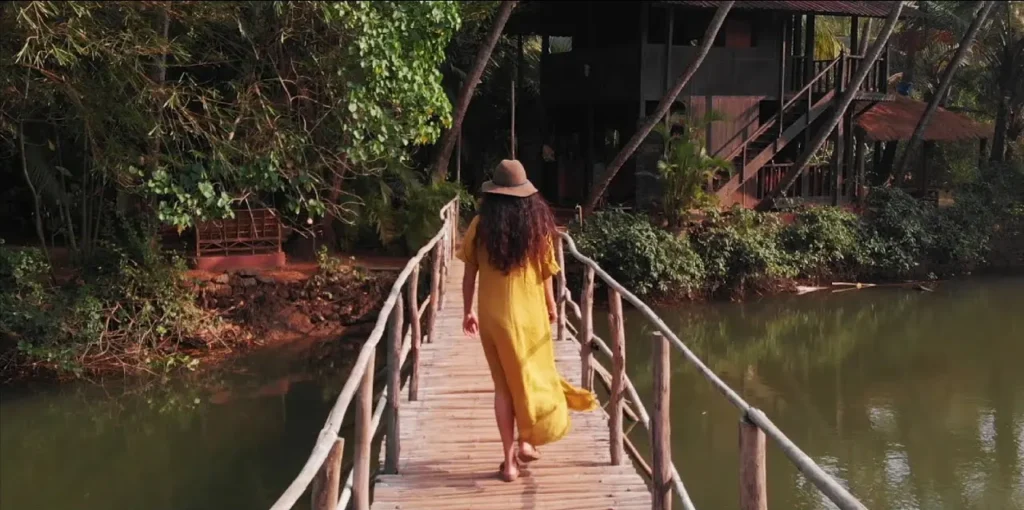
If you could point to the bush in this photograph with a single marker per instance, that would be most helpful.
(741, 250)
(645, 259)
(825, 241)
(897, 233)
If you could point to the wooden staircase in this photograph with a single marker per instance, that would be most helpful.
(797, 115)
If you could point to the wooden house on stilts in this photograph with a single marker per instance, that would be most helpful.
(606, 65)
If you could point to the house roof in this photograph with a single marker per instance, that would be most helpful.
(888, 121)
(827, 7)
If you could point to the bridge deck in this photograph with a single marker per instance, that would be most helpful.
(451, 449)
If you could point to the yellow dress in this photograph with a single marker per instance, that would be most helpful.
(516, 338)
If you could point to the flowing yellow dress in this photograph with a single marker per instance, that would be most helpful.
(516, 338)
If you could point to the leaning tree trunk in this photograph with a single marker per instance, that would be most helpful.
(36, 202)
(663, 108)
(483, 56)
(840, 108)
(982, 9)
(865, 33)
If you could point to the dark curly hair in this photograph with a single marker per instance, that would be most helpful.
(514, 230)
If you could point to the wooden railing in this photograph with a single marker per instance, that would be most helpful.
(814, 180)
(322, 469)
(250, 232)
(876, 81)
(754, 425)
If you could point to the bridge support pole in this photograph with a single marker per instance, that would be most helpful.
(415, 334)
(435, 292)
(753, 470)
(394, 378)
(587, 329)
(618, 376)
(661, 426)
(327, 484)
(561, 294)
(364, 438)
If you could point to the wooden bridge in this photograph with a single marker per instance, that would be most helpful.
(441, 448)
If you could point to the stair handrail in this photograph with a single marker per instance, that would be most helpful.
(764, 127)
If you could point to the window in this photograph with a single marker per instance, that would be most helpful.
(559, 44)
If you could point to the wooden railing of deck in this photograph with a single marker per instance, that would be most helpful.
(754, 425)
(322, 470)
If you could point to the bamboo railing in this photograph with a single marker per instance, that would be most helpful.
(754, 425)
(322, 470)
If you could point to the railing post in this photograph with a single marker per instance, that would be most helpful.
(394, 378)
(445, 254)
(364, 438)
(587, 329)
(562, 296)
(435, 292)
(618, 375)
(326, 489)
(753, 471)
(661, 426)
(415, 334)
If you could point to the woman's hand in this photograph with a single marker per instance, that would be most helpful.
(552, 312)
(470, 326)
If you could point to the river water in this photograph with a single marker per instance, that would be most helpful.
(913, 400)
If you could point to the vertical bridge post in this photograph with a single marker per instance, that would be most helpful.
(618, 375)
(326, 489)
(753, 470)
(435, 290)
(364, 438)
(661, 426)
(561, 295)
(587, 329)
(416, 335)
(394, 381)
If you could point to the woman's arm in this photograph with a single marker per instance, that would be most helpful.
(469, 322)
(549, 296)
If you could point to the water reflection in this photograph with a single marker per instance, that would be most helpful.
(912, 400)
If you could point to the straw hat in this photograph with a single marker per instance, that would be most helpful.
(509, 179)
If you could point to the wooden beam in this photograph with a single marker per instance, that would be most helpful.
(859, 183)
(587, 329)
(616, 324)
(661, 426)
(560, 299)
(327, 484)
(364, 438)
(394, 381)
(753, 469)
(416, 335)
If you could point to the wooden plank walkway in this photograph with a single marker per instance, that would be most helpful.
(451, 449)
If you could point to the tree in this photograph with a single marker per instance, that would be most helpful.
(1002, 58)
(982, 8)
(663, 108)
(839, 110)
(469, 84)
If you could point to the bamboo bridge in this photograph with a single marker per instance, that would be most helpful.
(440, 443)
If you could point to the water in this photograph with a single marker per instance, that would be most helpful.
(914, 400)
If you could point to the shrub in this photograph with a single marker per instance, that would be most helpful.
(897, 233)
(741, 250)
(825, 241)
(645, 259)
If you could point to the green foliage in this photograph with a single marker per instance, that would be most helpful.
(128, 307)
(685, 168)
(825, 241)
(645, 259)
(742, 250)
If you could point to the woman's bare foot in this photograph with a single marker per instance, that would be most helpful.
(509, 472)
(528, 453)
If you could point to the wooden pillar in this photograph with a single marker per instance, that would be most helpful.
(808, 49)
(926, 149)
(560, 296)
(416, 336)
(435, 291)
(587, 329)
(394, 378)
(644, 17)
(782, 77)
(326, 489)
(860, 181)
(616, 326)
(849, 154)
(876, 163)
(836, 164)
(364, 439)
(854, 35)
(753, 469)
(982, 152)
(667, 82)
(661, 426)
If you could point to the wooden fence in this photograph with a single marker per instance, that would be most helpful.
(322, 469)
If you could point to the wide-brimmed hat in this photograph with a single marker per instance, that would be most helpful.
(509, 179)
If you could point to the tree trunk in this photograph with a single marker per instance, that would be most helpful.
(663, 108)
(865, 34)
(884, 170)
(982, 9)
(35, 194)
(841, 106)
(483, 56)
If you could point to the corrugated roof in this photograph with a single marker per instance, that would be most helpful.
(828, 7)
(889, 121)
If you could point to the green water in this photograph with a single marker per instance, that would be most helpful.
(913, 400)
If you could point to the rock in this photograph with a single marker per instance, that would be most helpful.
(248, 273)
(247, 282)
(222, 279)
(219, 290)
(265, 280)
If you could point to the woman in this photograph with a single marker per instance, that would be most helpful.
(510, 245)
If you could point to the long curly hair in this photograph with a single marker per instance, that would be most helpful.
(515, 230)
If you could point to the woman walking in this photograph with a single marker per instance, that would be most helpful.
(510, 245)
